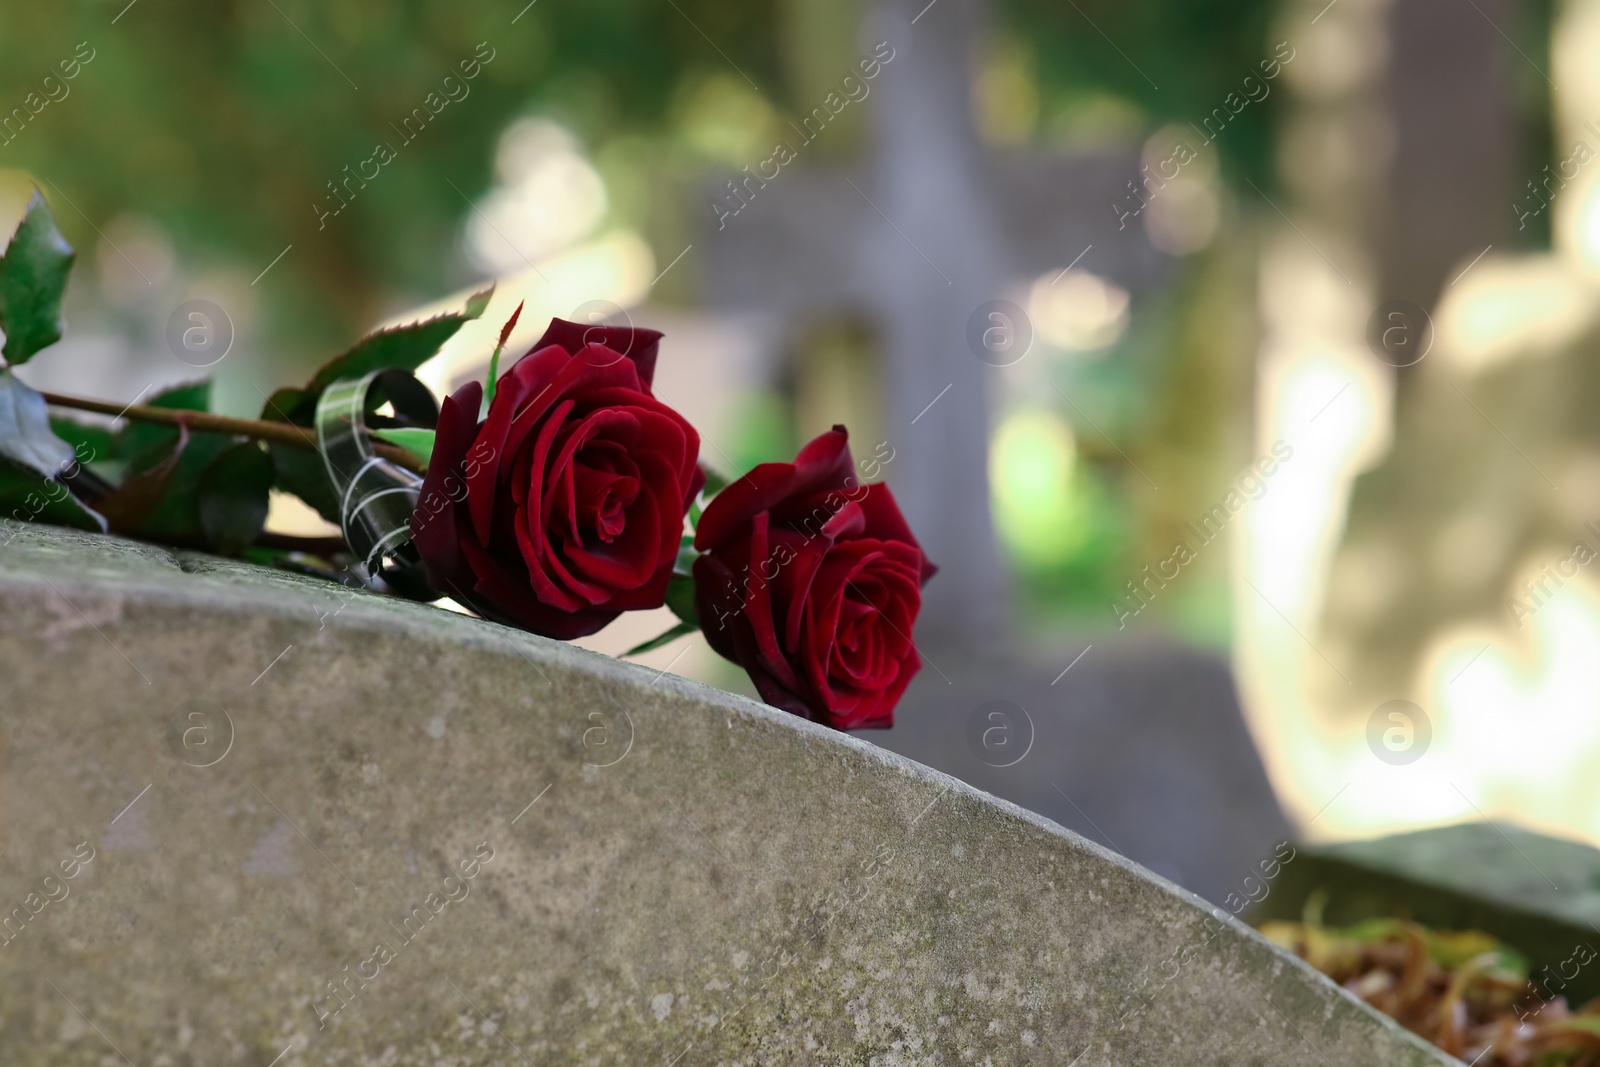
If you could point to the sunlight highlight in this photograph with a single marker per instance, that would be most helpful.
(1031, 463)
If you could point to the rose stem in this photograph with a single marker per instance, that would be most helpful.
(281, 433)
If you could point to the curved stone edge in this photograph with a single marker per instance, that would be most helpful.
(68, 564)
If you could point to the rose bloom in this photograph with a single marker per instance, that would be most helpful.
(564, 506)
(812, 581)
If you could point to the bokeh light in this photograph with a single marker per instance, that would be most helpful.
(1032, 460)
(1078, 310)
(548, 197)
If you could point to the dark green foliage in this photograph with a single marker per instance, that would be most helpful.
(227, 121)
(26, 438)
(140, 442)
(27, 497)
(398, 348)
(306, 476)
(663, 639)
(160, 501)
(233, 497)
(88, 440)
(33, 276)
(1175, 61)
(680, 598)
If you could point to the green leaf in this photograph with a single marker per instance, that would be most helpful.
(684, 564)
(680, 587)
(91, 440)
(26, 438)
(31, 455)
(416, 441)
(28, 497)
(306, 476)
(298, 471)
(151, 441)
(131, 505)
(680, 598)
(715, 483)
(93, 445)
(478, 303)
(164, 502)
(176, 518)
(233, 498)
(33, 275)
(397, 348)
(663, 639)
(280, 402)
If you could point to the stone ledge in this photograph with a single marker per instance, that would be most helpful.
(676, 874)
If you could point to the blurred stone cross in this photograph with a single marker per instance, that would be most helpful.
(916, 238)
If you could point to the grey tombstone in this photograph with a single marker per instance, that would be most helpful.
(1139, 745)
(252, 818)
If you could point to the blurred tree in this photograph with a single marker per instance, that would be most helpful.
(1131, 65)
(231, 123)
(226, 121)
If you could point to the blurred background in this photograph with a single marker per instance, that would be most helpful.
(1232, 359)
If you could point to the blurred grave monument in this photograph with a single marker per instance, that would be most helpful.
(915, 239)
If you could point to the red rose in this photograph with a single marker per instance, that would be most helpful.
(564, 507)
(812, 581)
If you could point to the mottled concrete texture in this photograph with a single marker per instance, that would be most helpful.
(531, 854)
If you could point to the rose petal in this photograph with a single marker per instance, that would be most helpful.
(638, 345)
(433, 525)
(821, 465)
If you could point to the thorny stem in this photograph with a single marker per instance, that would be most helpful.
(281, 433)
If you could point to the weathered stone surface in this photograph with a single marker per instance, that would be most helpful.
(677, 875)
(1140, 746)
